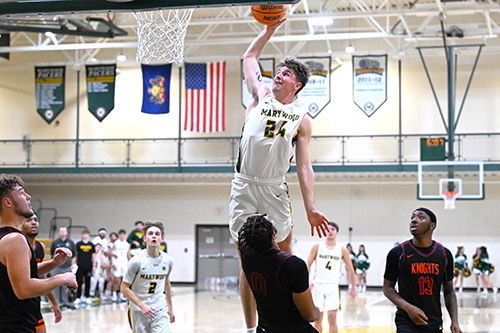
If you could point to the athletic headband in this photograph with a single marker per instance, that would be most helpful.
(102, 230)
(429, 212)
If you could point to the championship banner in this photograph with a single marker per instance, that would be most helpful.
(267, 71)
(156, 88)
(316, 93)
(101, 89)
(49, 84)
(369, 82)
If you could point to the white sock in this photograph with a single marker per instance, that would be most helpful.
(252, 330)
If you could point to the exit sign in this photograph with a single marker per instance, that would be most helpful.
(432, 149)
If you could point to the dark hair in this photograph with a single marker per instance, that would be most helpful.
(136, 223)
(483, 250)
(113, 233)
(150, 224)
(7, 184)
(122, 231)
(255, 237)
(300, 69)
(333, 224)
(459, 248)
(85, 231)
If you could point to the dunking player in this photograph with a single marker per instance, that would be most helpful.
(20, 286)
(30, 229)
(146, 284)
(421, 267)
(325, 286)
(274, 123)
(279, 281)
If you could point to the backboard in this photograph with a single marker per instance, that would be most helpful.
(437, 178)
(8, 7)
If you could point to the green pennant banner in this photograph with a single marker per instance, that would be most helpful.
(101, 89)
(49, 85)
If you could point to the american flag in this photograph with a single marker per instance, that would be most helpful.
(204, 97)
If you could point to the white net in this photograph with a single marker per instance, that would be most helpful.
(161, 35)
(449, 199)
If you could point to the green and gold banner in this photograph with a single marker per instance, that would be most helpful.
(101, 89)
(49, 84)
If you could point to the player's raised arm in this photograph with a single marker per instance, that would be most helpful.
(305, 173)
(253, 77)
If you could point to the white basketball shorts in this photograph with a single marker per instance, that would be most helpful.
(260, 196)
(141, 324)
(326, 296)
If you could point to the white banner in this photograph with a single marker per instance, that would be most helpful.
(267, 71)
(316, 94)
(369, 84)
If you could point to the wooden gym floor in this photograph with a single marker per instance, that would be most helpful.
(219, 310)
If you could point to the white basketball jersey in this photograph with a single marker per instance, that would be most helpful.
(266, 145)
(328, 264)
(121, 249)
(147, 277)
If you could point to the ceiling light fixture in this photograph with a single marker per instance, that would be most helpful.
(321, 20)
(121, 57)
(350, 49)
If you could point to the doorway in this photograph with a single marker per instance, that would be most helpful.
(217, 261)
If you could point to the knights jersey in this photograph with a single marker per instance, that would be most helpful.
(420, 273)
(273, 279)
(147, 277)
(266, 145)
(39, 252)
(328, 264)
(17, 315)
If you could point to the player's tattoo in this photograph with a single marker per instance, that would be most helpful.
(259, 77)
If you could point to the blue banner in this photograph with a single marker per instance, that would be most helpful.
(156, 88)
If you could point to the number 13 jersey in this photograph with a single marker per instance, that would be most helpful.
(421, 276)
(266, 145)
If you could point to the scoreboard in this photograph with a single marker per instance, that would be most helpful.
(432, 149)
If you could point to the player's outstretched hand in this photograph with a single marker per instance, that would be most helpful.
(57, 314)
(319, 222)
(148, 311)
(416, 315)
(61, 255)
(70, 280)
(172, 317)
(276, 25)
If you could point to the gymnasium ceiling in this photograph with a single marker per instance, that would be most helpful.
(395, 27)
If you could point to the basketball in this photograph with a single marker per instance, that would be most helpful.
(268, 14)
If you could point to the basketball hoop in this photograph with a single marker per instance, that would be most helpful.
(161, 35)
(449, 199)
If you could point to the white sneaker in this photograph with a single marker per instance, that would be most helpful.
(88, 300)
(78, 301)
(114, 298)
(485, 291)
(495, 290)
(460, 290)
(478, 289)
